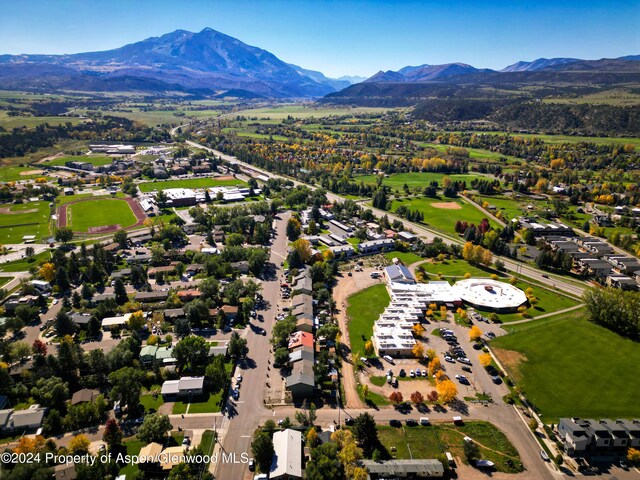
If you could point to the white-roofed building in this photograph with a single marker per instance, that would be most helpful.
(490, 294)
(109, 322)
(287, 456)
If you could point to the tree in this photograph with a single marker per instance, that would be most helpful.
(325, 464)
(62, 279)
(293, 229)
(51, 392)
(79, 445)
(281, 356)
(633, 455)
(485, 359)
(434, 366)
(64, 234)
(112, 435)
(47, 271)
(365, 433)
(312, 437)
(120, 292)
(262, 449)
(433, 396)
(215, 373)
(237, 346)
(191, 353)
(182, 328)
(136, 321)
(120, 237)
(154, 428)
(63, 324)
(303, 248)
(349, 455)
(417, 398)
(475, 333)
(39, 347)
(418, 330)
(418, 350)
(396, 397)
(368, 348)
(447, 391)
(19, 350)
(126, 386)
(471, 451)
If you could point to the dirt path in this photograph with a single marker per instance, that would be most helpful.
(346, 287)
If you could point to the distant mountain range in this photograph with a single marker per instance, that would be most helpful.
(207, 62)
(212, 63)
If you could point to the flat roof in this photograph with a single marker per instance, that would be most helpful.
(287, 457)
(484, 292)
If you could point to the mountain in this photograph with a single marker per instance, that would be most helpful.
(539, 64)
(352, 79)
(424, 73)
(203, 61)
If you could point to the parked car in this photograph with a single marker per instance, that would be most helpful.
(403, 373)
(412, 374)
(388, 359)
(466, 368)
(411, 422)
(395, 423)
(496, 379)
(490, 335)
(449, 359)
(252, 464)
(239, 377)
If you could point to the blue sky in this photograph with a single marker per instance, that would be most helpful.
(351, 37)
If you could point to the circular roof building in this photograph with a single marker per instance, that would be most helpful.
(487, 294)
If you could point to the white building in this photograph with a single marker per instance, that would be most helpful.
(287, 456)
(490, 294)
(393, 337)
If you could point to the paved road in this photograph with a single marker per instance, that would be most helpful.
(246, 413)
(426, 233)
(15, 281)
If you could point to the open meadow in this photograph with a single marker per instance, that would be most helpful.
(23, 219)
(569, 367)
(100, 212)
(363, 309)
(95, 160)
(442, 213)
(14, 174)
(191, 183)
(416, 179)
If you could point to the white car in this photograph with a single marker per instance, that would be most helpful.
(412, 373)
(239, 378)
(55, 301)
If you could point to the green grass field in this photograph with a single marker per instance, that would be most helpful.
(306, 111)
(210, 405)
(454, 269)
(10, 123)
(442, 218)
(570, 367)
(189, 183)
(23, 219)
(96, 161)
(13, 174)
(407, 258)
(363, 309)
(438, 438)
(100, 212)
(133, 446)
(415, 179)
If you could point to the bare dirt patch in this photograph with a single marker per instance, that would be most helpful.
(32, 172)
(104, 229)
(224, 177)
(447, 205)
(8, 211)
(511, 360)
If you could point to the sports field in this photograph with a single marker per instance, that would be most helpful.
(84, 215)
(442, 213)
(191, 183)
(96, 161)
(363, 309)
(569, 367)
(17, 221)
(416, 179)
(13, 174)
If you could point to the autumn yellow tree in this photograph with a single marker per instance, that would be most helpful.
(312, 437)
(368, 348)
(418, 330)
(47, 271)
(303, 247)
(418, 350)
(447, 391)
(365, 390)
(136, 321)
(28, 444)
(485, 359)
(430, 354)
(328, 255)
(79, 444)
(342, 437)
(434, 365)
(633, 455)
(360, 473)
(349, 456)
(475, 333)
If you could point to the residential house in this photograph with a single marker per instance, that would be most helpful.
(151, 297)
(573, 435)
(173, 314)
(85, 395)
(301, 353)
(304, 325)
(301, 380)
(165, 270)
(287, 455)
(185, 387)
(410, 468)
(300, 339)
(188, 295)
(399, 274)
(148, 354)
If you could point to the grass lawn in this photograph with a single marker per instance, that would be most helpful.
(189, 183)
(364, 308)
(100, 212)
(428, 442)
(207, 442)
(304, 111)
(25, 264)
(454, 269)
(5, 280)
(23, 219)
(95, 160)
(549, 301)
(150, 403)
(13, 174)
(416, 179)
(442, 218)
(568, 367)
(208, 404)
(133, 448)
(407, 258)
